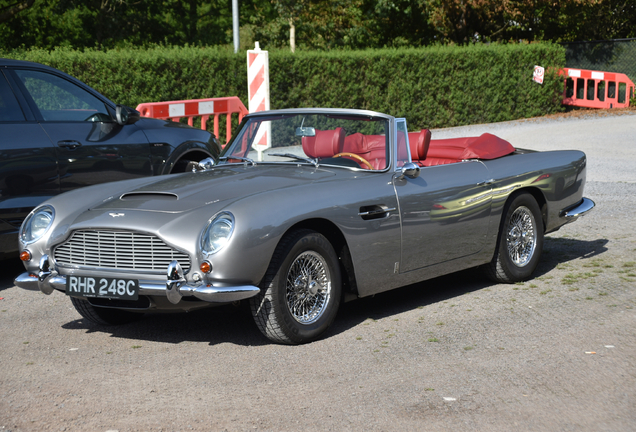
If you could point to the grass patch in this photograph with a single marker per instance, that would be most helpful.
(433, 340)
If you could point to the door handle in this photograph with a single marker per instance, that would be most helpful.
(69, 144)
(375, 212)
(486, 182)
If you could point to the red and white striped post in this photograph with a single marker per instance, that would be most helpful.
(258, 93)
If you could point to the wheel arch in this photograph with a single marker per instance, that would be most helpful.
(190, 150)
(339, 243)
(539, 198)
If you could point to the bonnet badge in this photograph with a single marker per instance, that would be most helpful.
(116, 214)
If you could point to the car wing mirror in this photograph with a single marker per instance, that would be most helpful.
(125, 115)
(204, 165)
(410, 170)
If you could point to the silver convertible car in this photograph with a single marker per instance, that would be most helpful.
(304, 209)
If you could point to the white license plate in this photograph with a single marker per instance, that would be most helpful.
(113, 288)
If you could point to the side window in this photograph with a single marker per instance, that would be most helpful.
(10, 110)
(403, 150)
(60, 100)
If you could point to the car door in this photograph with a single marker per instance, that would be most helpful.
(92, 148)
(28, 164)
(444, 211)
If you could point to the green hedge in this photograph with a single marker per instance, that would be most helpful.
(432, 87)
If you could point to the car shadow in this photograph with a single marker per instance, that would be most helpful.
(555, 251)
(231, 324)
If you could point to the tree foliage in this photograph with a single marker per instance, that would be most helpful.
(319, 24)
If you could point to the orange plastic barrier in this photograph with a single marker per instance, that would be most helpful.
(596, 89)
(203, 108)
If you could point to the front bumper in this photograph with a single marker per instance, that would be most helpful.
(175, 287)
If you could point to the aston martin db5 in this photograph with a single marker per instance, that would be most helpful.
(304, 209)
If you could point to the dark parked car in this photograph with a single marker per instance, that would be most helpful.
(58, 134)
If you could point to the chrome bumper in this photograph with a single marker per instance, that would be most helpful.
(582, 208)
(174, 288)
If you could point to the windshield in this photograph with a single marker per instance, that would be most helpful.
(325, 139)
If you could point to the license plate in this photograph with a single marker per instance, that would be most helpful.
(113, 288)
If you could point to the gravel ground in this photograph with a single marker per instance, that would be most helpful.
(557, 353)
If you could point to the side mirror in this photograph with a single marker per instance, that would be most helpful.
(410, 170)
(204, 165)
(125, 115)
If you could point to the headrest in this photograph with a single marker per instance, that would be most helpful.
(419, 143)
(325, 144)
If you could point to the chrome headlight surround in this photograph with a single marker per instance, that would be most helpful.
(36, 224)
(217, 233)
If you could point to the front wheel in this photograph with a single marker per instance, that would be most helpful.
(520, 241)
(300, 293)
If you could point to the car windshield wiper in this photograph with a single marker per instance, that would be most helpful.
(244, 159)
(314, 162)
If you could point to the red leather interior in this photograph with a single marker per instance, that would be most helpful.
(370, 147)
(325, 144)
(419, 143)
(485, 146)
(424, 150)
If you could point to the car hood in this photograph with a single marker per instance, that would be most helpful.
(185, 192)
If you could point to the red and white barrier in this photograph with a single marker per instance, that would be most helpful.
(258, 93)
(203, 108)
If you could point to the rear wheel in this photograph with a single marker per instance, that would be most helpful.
(104, 316)
(520, 241)
(300, 293)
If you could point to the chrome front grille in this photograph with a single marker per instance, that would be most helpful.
(121, 250)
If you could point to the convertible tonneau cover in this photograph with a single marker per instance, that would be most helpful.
(428, 152)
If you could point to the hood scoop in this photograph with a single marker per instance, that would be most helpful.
(144, 195)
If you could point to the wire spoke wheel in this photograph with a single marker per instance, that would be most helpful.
(308, 287)
(301, 291)
(521, 237)
(520, 240)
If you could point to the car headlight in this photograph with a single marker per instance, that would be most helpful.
(217, 233)
(36, 224)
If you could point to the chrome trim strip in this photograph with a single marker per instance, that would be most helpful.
(581, 209)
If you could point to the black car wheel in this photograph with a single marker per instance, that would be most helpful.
(520, 241)
(104, 316)
(300, 293)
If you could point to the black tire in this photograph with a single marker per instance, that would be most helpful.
(104, 316)
(299, 313)
(520, 241)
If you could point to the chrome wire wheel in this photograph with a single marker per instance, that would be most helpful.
(308, 287)
(521, 237)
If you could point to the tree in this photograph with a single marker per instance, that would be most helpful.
(9, 10)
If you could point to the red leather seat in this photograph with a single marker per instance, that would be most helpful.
(370, 147)
(419, 143)
(325, 143)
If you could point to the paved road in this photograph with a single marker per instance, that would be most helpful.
(455, 353)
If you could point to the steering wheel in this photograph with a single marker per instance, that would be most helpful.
(356, 157)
